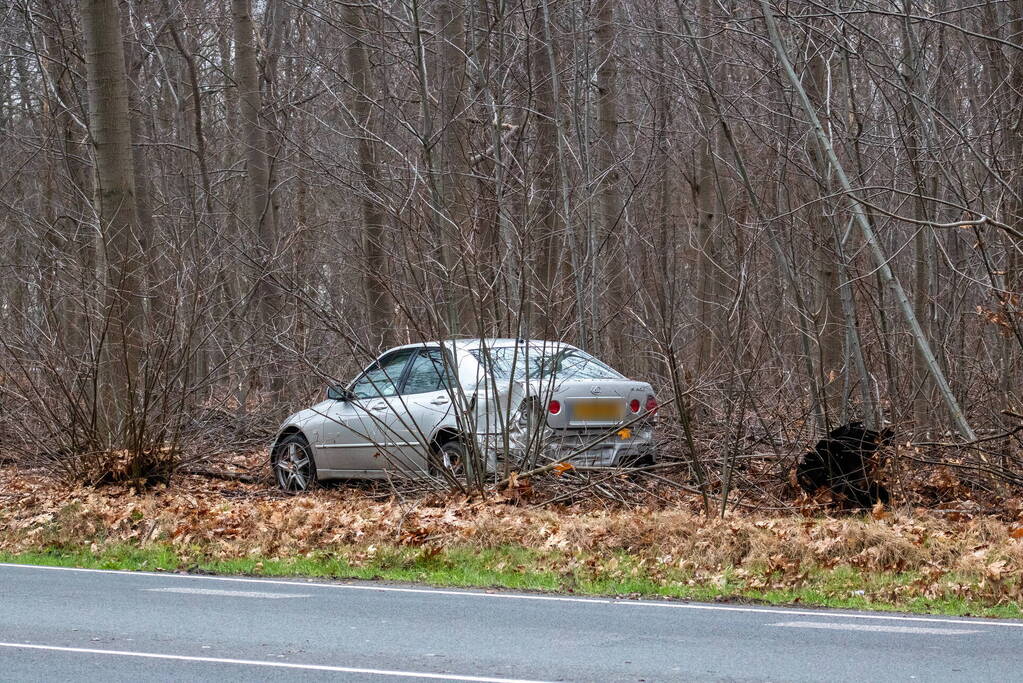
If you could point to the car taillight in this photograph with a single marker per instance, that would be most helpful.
(651, 404)
(634, 405)
(554, 407)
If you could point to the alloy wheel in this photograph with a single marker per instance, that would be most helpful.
(294, 467)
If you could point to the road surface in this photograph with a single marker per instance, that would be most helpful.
(62, 624)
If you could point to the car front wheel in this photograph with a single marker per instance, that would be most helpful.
(293, 464)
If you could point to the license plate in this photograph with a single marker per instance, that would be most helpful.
(599, 411)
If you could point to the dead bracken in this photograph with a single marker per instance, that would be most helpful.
(951, 553)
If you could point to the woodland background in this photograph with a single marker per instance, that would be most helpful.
(211, 208)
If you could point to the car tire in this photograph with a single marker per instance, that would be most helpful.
(293, 465)
(450, 457)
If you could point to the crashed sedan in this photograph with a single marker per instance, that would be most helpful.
(456, 408)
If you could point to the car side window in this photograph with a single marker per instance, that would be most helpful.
(381, 379)
(579, 365)
(427, 373)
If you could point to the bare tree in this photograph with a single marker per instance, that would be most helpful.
(209, 199)
(120, 237)
(374, 217)
(259, 211)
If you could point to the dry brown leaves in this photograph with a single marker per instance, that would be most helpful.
(230, 519)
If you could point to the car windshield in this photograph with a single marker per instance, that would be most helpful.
(535, 362)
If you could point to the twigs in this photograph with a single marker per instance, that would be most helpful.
(998, 474)
(970, 444)
(220, 474)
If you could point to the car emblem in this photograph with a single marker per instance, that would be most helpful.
(595, 390)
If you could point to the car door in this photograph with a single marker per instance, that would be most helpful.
(423, 403)
(354, 430)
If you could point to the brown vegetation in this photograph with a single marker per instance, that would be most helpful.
(963, 551)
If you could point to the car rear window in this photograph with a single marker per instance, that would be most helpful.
(504, 362)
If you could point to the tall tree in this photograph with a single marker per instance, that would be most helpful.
(913, 72)
(374, 218)
(608, 257)
(119, 227)
(259, 213)
(448, 162)
(860, 216)
(549, 232)
(709, 268)
(827, 311)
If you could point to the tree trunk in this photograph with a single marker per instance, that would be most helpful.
(452, 82)
(1012, 299)
(913, 82)
(134, 59)
(608, 259)
(549, 231)
(708, 257)
(828, 311)
(374, 218)
(120, 237)
(258, 211)
(859, 214)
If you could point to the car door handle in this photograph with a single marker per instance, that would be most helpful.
(440, 401)
(379, 406)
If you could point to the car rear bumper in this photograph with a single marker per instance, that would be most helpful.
(612, 451)
(597, 448)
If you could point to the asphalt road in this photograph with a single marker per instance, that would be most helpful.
(61, 624)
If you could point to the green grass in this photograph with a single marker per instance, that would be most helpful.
(532, 570)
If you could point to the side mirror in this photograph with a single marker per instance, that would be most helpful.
(337, 393)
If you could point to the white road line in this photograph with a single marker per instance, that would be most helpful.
(278, 665)
(230, 594)
(525, 596)
(876, 627)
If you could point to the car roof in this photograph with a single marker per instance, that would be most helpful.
(487, 342)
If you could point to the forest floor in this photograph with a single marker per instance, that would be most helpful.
(958, 561)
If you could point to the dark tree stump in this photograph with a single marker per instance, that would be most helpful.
(842, 462)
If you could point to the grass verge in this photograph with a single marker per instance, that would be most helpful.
(519, 568)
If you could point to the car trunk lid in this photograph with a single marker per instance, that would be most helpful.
(586, 404)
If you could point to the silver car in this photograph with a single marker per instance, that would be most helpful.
(436, 408)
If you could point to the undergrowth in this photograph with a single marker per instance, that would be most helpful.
(907, 559)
